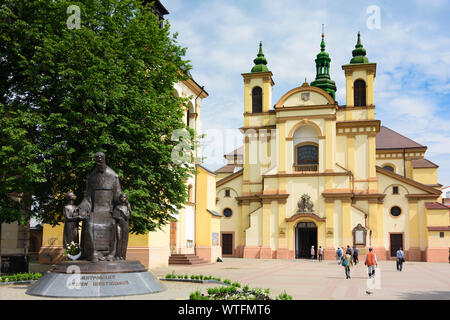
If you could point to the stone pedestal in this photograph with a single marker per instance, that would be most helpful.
(84, 279)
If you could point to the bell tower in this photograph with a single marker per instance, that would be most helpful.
(359, 80)
(258, 86)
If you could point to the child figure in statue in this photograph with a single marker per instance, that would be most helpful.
(122, 214)
(71, 221)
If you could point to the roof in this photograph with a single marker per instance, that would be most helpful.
(389, 139)
(207, 170)
(159, 7)
(216, 214)
(435, 205)
(423, 163)
(236, 152)
(229, 168)
(409, 181)
(229, 178)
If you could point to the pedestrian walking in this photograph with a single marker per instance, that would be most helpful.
(339, 255)
(355, 255)
(320, 253)
(371, 262)
(313, 252)
(349, 251)
(346, 262)
(400, 259)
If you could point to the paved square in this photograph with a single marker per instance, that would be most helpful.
(302, 279)
(306, 279)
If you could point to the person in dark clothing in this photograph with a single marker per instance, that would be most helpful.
(355, 255)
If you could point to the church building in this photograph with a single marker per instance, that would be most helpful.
(312, 172)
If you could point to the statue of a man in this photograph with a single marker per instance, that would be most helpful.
(101, 196)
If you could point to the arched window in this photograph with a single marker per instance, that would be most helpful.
(389, 168)
(188, 115)
(359, 93)
(306, 148)
(306, 157)
(256, 100)
(191, 193)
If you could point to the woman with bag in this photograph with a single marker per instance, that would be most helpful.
(347, 260)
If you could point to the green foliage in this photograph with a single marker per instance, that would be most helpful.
(66, 94)
(231, 293)
(284, 296)
(20, 277)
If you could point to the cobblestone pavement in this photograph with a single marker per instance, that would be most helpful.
(302, 279)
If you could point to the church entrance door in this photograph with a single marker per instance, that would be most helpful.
(305, 237)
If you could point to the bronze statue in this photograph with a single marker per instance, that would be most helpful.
(122, 214)
(71, 221)
(101, 196)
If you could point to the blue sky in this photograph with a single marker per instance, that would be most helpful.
(409, 42)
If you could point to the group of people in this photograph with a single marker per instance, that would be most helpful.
(347, 258)
(319, 253)
(350, 258)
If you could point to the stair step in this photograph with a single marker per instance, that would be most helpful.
(187, 259)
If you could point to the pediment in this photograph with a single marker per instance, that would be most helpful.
(305, 96)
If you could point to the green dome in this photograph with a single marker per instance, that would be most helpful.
(359, 53)
(323, 80)
(260, 61)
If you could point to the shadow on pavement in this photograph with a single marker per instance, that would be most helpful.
(431, 295)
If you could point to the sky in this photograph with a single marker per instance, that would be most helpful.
(408, 40)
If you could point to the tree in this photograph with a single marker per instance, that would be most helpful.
(66, 93)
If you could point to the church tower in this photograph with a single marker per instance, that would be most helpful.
(258, 86)
(359, 78)
(323, 80)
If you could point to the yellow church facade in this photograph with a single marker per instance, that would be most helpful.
(312, 172)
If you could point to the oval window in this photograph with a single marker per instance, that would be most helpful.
(227, 212)
(396, 211)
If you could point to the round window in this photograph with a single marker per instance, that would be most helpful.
(396, 211)
(227, 212)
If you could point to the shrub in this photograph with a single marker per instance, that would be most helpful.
(284, 296)
(20, 277)
(195, 295)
